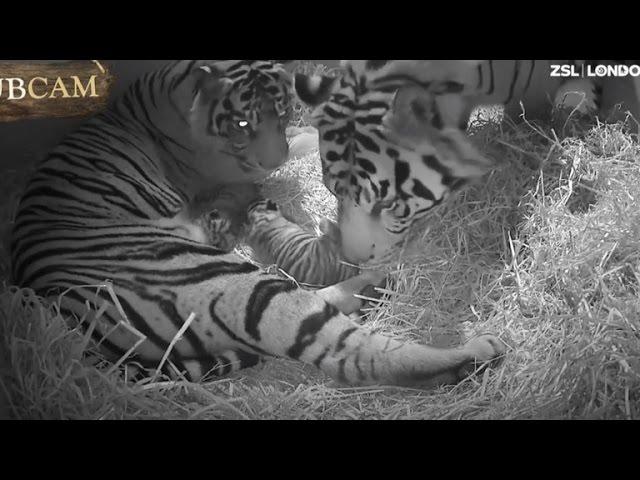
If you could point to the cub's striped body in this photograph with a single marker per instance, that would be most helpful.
(114, 202)
(310, 259)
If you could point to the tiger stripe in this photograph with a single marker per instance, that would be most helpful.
(312, 260)
(393, 137)
(114, 202)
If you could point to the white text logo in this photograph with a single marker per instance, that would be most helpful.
(582, 71)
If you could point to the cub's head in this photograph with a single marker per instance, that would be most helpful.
(263, 211)
(392, 145)
(239, 112)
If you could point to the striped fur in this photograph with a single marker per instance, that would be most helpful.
(310, 259)
(114, 203)
(392, 136)
(527, 86)
(516, 84)
(383, 183)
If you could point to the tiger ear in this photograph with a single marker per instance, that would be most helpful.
(210, 83)
(314, 89)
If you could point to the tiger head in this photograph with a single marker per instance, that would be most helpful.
(239, 112)
(392, 145)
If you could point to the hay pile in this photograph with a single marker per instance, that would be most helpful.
(545, 252)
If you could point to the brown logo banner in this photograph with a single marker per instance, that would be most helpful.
(60, 89)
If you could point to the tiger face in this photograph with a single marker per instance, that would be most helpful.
(392, 148)
(239, 114)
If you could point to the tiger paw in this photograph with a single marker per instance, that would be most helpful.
(484, 350)
(219, 230)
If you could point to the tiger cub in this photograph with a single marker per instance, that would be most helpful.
(311, 260)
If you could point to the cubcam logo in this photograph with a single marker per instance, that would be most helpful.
(54, 89)
(17, 88)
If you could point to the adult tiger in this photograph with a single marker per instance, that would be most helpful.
(392, 135)
(114, 202)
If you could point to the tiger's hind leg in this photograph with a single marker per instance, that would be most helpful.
(284, 321)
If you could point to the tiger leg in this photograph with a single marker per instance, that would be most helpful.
(301, 325)
(236, 307)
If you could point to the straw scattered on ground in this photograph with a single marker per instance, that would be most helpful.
(544, 251)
